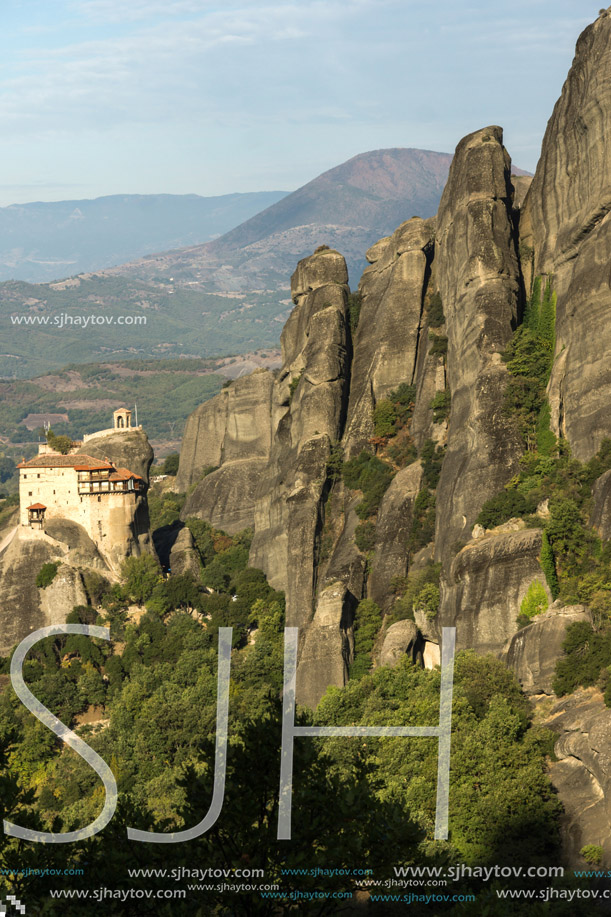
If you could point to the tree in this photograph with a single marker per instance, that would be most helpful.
(141, 575)
(60, 443)
(170, 465)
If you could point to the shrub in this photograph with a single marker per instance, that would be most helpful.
(384, 419)
(436, 316)
(170, 465)
(586, 654)
(592, 854)
(293, 385)
(441, 406)
(547, 443)
(367, 623)
(355, 302)
(548, 565)
(439, 344)
(335, 462)
(535, 601)
(427, 600)
(421, 590)
(46, 575)
(402, 451)
(370, 475)
(504, 506)
(61, 444)
(423, 521)
(141, 575)
(365, 536)
(432, 460)
(403, 399)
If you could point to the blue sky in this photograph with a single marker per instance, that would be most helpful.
(179, 96)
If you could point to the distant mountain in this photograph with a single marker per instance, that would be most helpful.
(46, 241)
(349, 207)
(228, 296)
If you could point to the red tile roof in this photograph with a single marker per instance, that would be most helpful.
(37, 506)
(79, 460)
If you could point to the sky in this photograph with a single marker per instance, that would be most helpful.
(196, 96)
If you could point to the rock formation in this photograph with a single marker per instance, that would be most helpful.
(274, 441)
(567, 223)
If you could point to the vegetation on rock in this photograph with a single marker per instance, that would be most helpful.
(46, 574)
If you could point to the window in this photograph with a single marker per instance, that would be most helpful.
(29, 493)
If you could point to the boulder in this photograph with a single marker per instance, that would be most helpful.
(582, 773)
(400, 638)
(533, 651)
(485, 586)
(183, 555)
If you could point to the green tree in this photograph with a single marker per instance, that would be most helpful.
(141, 575)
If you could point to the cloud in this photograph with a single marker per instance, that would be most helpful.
(220, 63)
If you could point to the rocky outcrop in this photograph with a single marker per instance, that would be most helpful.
(532, 653)
(567, 222)
(485, 586)
(400, 638)
(233, 426)
(393, 528)
(308, 411)
(23, 606)
(124, 449)
(478, 274)
(183, 555)
(226, 497)
(582, 773)
(390, 325)
(600, 515)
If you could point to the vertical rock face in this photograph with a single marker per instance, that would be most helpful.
(307, 415)
(230, 433)
(390, 324)
(567, 221)
(477, 270)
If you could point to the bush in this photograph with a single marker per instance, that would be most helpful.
(435, 311)
(367, 623)
(439, 344)
(432, 459)
(506, 505)
(441, 406)
(46, 574)
(421, 591)
(592, 854)
(372, 477)
(427, 600)
(141, 575)
(365, 536)
(535, 601)
(548, 565)
(61, 444)
(170, 465)
(423, 521)
(355, 302)
(293, 385)
(335, 462)
(384, 419)
(586, 654)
